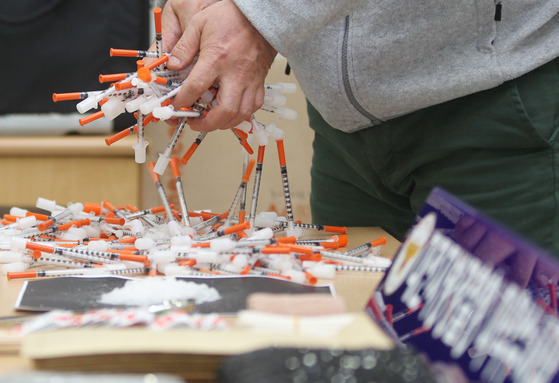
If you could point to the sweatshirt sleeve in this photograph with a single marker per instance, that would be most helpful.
(287, 23)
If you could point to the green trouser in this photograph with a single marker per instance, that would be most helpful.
(496, 150)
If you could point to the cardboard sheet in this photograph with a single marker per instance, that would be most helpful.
(84, 293)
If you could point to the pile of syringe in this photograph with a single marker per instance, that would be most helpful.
(148, 92)
(94, 239)
(90, 238)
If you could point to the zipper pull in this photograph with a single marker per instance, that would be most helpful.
(498, 11)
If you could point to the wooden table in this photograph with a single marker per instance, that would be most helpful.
(354, 287)
(61, 168)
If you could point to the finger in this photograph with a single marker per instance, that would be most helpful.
(248, 105)
(222, 115)
(251, 100)
(173, 28)
(198, 81)
(187, 47)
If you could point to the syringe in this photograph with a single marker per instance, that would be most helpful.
(311, 226)
(106, 270)
(180, 191)
(280, 88)
(256, 186)
(225, 231)
(242, 186)
(281, 112)
(153, 210)
(109, 206)
(360, 250)
(210, 222)
(374, 261)
(286, 193)
(132, 53)
(140, 145)
(57, 216)
(120, 135)
(161, 191)
(165, 157)
(158, 31)
(193, 147)
(74, 95)
(166, 112)
(243, 199)
(242, 137)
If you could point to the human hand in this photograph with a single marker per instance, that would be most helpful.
(231, 54)
(176, 16)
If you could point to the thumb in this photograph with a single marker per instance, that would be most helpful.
(186, 48)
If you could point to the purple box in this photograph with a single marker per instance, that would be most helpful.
(466, 291)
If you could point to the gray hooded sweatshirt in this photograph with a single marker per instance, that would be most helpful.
(363, 62)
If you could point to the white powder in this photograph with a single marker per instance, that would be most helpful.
(155, 290)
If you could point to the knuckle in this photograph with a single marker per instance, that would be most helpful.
(258, 100)
(228, 110)
(245, 112)
(195, 83)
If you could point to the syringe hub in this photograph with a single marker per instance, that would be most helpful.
(181, 240)
(323, 271)
(11, 256)
(265, 219)
(281, 87)
(26, 222)
(265, 233)
(207, 97)
(222, 244)
(377, 262)
(134, 104)
(295, 275)
(99, 245)
(18, 212)
(18, 243)
(150, 105)
(285, 113)
(174, 228)
(261, 137)
(161, 256)
(295, 231)
(113, 108)
(144, 243)
(275, 100)
(76, 207)
(18, 266)
(274, 132)
(161, 164)
(137, 227)
(47, 204)
(74, 234)
(163, 112)
(140, 151)
(287, 87)
(86, 104)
